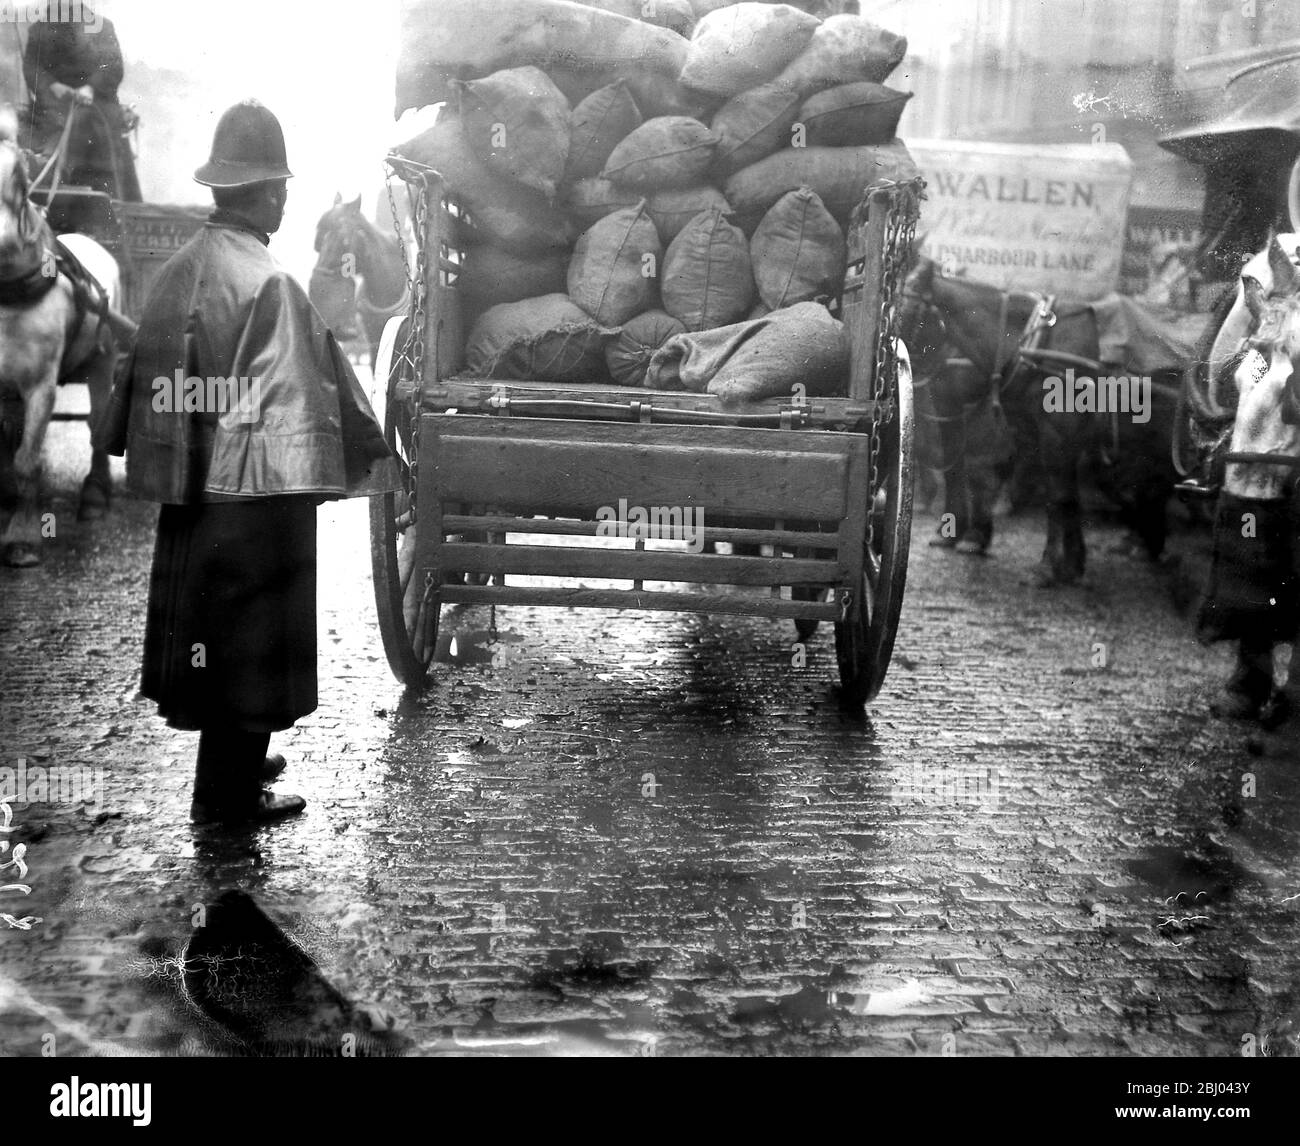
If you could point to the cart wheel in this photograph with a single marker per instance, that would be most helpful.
(1293, 195)
(863, 645)
(407, 603)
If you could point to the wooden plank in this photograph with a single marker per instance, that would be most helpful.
(861, 304)
(444, 332)
(788, 538)
(705, 437)
(731, 604)
(636, 564)
(558, 465)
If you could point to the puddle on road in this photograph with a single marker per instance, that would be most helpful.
(476, 646)
(1209, 875)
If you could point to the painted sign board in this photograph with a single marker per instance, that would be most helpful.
(1021, 216)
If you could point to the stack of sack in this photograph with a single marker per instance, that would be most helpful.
(649, 209)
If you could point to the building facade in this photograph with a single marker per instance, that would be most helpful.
(1078, 71)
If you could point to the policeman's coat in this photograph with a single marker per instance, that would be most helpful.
(222, 308)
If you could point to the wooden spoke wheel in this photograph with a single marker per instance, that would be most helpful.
(864, 641)
(408, 602)
(1293, 195)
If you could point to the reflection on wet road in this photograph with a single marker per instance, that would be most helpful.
(656, 834)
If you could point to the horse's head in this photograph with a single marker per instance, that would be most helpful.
(1272, 352)
(16, 221)
(920, 320)
(1267, 378)
(341, 236)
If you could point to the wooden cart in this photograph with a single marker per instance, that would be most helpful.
(505, 479)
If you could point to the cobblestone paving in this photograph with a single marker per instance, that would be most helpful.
(653, 834)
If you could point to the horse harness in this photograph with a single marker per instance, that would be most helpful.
(48, 260)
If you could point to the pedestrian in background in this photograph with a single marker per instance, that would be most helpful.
(230, 637)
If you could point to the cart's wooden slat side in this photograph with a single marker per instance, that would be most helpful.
(633, 564)
(828, 540)
(734, 604)
(444, 330)
(542, 465)
(860, 303)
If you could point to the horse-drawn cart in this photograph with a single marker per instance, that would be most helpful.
(514, 479)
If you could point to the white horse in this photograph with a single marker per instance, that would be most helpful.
(1265, 384)
(44, 341)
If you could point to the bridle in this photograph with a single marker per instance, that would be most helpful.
(30, 219)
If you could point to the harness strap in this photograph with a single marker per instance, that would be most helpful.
(365, 306)
(999, 364)
(88, 296)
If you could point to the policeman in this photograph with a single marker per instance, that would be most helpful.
(230, 635)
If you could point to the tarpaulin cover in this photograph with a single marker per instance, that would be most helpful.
(1132, 337)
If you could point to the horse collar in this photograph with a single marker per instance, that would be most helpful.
(35, 275)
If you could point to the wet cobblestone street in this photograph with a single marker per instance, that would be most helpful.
(657, 834)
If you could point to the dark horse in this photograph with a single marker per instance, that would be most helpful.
(1023, 355)
(359, 274)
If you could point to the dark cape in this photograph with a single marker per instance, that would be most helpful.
(230, 634)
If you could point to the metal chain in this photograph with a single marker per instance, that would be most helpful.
(397, 229)
(902, 202)
(415, 355)
(410, 358)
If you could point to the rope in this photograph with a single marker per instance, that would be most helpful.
(57, 158)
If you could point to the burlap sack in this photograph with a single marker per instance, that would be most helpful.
(505, 213)
(707, 277)
(657, 94)
(753, 125)
(614, 271)
(677, 15)
(743, 45)
(798, 251)
(628, 354)
(463, 39)
(548, 339)
(491, 276)
(851, 115)
(597, 125)
(668, 151)
(845, 50)
(591, 199)
(672, 210)
(760, 358)
(839, 175)
(517, 122)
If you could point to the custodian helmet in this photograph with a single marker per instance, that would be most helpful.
(247, 147)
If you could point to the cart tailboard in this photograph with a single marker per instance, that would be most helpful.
(552, 466)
